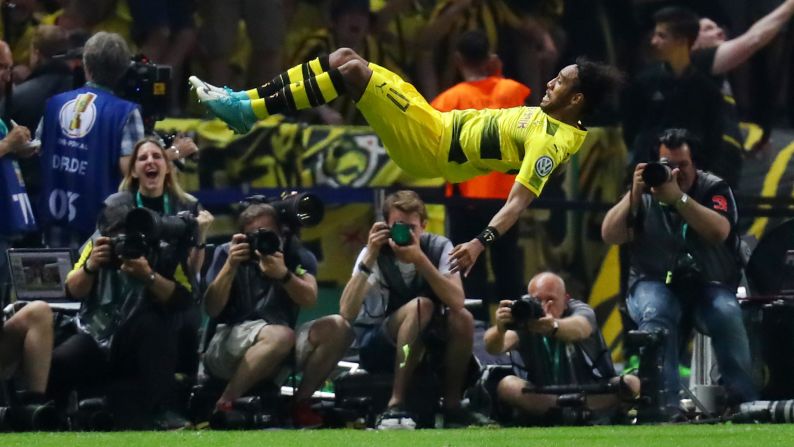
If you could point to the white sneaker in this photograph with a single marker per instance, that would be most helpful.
(395, 419)
(206, 89)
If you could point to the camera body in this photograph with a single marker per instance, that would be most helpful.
(265, 241)
(526, 309)
(400, 233)
(143, 229)
(686, 276)
(147, 84)
(657, 173)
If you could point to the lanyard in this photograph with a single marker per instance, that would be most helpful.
(555, 373)
(166, 202)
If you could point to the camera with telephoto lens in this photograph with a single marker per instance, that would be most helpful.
(653, 392)
(263, 240)
(147, 84)
(143, 229)
(400, 233)
(294, 210)
(525, 309)
(657, 173)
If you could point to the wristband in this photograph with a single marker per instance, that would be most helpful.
(176, 151)
(87, 270)
(555, 328)
(363, 267)
(287, 276)
(488, 236)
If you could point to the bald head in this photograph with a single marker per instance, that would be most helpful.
(550, 289)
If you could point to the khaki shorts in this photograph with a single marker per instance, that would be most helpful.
(230, 343)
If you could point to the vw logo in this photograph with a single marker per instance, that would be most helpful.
(544, 165)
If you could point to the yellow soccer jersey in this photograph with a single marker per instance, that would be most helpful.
(522, 139)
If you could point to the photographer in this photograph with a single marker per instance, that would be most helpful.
(138, 318)
(402, 290)
(258, 283)
(680, 224)
(559, 343)
(86, 137)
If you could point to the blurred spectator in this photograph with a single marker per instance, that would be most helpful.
(19, 20)
(673, 93)
(256, 298)
(165, 33)
(483, 88)
(350, 28)
(111, 16)
(266, 26)
(135, 307)
(398, 25)
(48, 76)
(85, 135)
(14, 202)
(528, 36)
(715, 55)
(402, 298)
(561, 346)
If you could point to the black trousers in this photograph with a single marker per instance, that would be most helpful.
(138, 372)
(467, 221)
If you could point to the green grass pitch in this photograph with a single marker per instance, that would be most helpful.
(642, 436)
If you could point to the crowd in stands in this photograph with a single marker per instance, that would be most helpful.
(80, 155)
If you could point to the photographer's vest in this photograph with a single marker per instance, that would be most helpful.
(81, 146)
(660, 237)
(116, 298)
(399, 292)
(15, 207)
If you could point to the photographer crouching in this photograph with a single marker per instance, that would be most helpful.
(680, 224)
(258, 283)
(139, 318)
(559, 343)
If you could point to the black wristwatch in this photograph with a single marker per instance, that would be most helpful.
(87, 270)
(286, 278)
(151, 278)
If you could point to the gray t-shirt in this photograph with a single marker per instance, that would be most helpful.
(549, 361)
(373, 309)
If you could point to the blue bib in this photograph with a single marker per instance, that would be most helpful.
(17, 212)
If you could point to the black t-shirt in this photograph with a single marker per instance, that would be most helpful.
(660, 233)
(658, 100)
(548, 361)
(253, 296)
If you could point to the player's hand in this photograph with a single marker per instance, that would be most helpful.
(463, 256)
(204, 219)
(409, 254)
(138, 268)
(17, 140)
(272, 265)
(100, 254)
(239, 251)
(504, 316)
(668, 192)
(185, 145)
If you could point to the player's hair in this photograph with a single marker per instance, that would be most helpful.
(596, 81)
(406, 201)
(682, 22)
(473, 47)
(674, 138)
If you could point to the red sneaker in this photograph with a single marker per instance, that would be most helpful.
(303, 416)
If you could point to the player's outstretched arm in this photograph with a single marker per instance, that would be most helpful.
(465, 255)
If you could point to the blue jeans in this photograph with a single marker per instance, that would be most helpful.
(653, 305)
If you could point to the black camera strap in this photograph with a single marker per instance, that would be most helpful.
(668, 277)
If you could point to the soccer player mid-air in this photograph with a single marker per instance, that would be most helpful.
(424, 142)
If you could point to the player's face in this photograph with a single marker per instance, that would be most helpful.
(665, 43)
(150, 169)
(560, 90)
(710, 34)
(682, 159)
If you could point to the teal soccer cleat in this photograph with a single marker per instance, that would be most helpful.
(237, 113)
